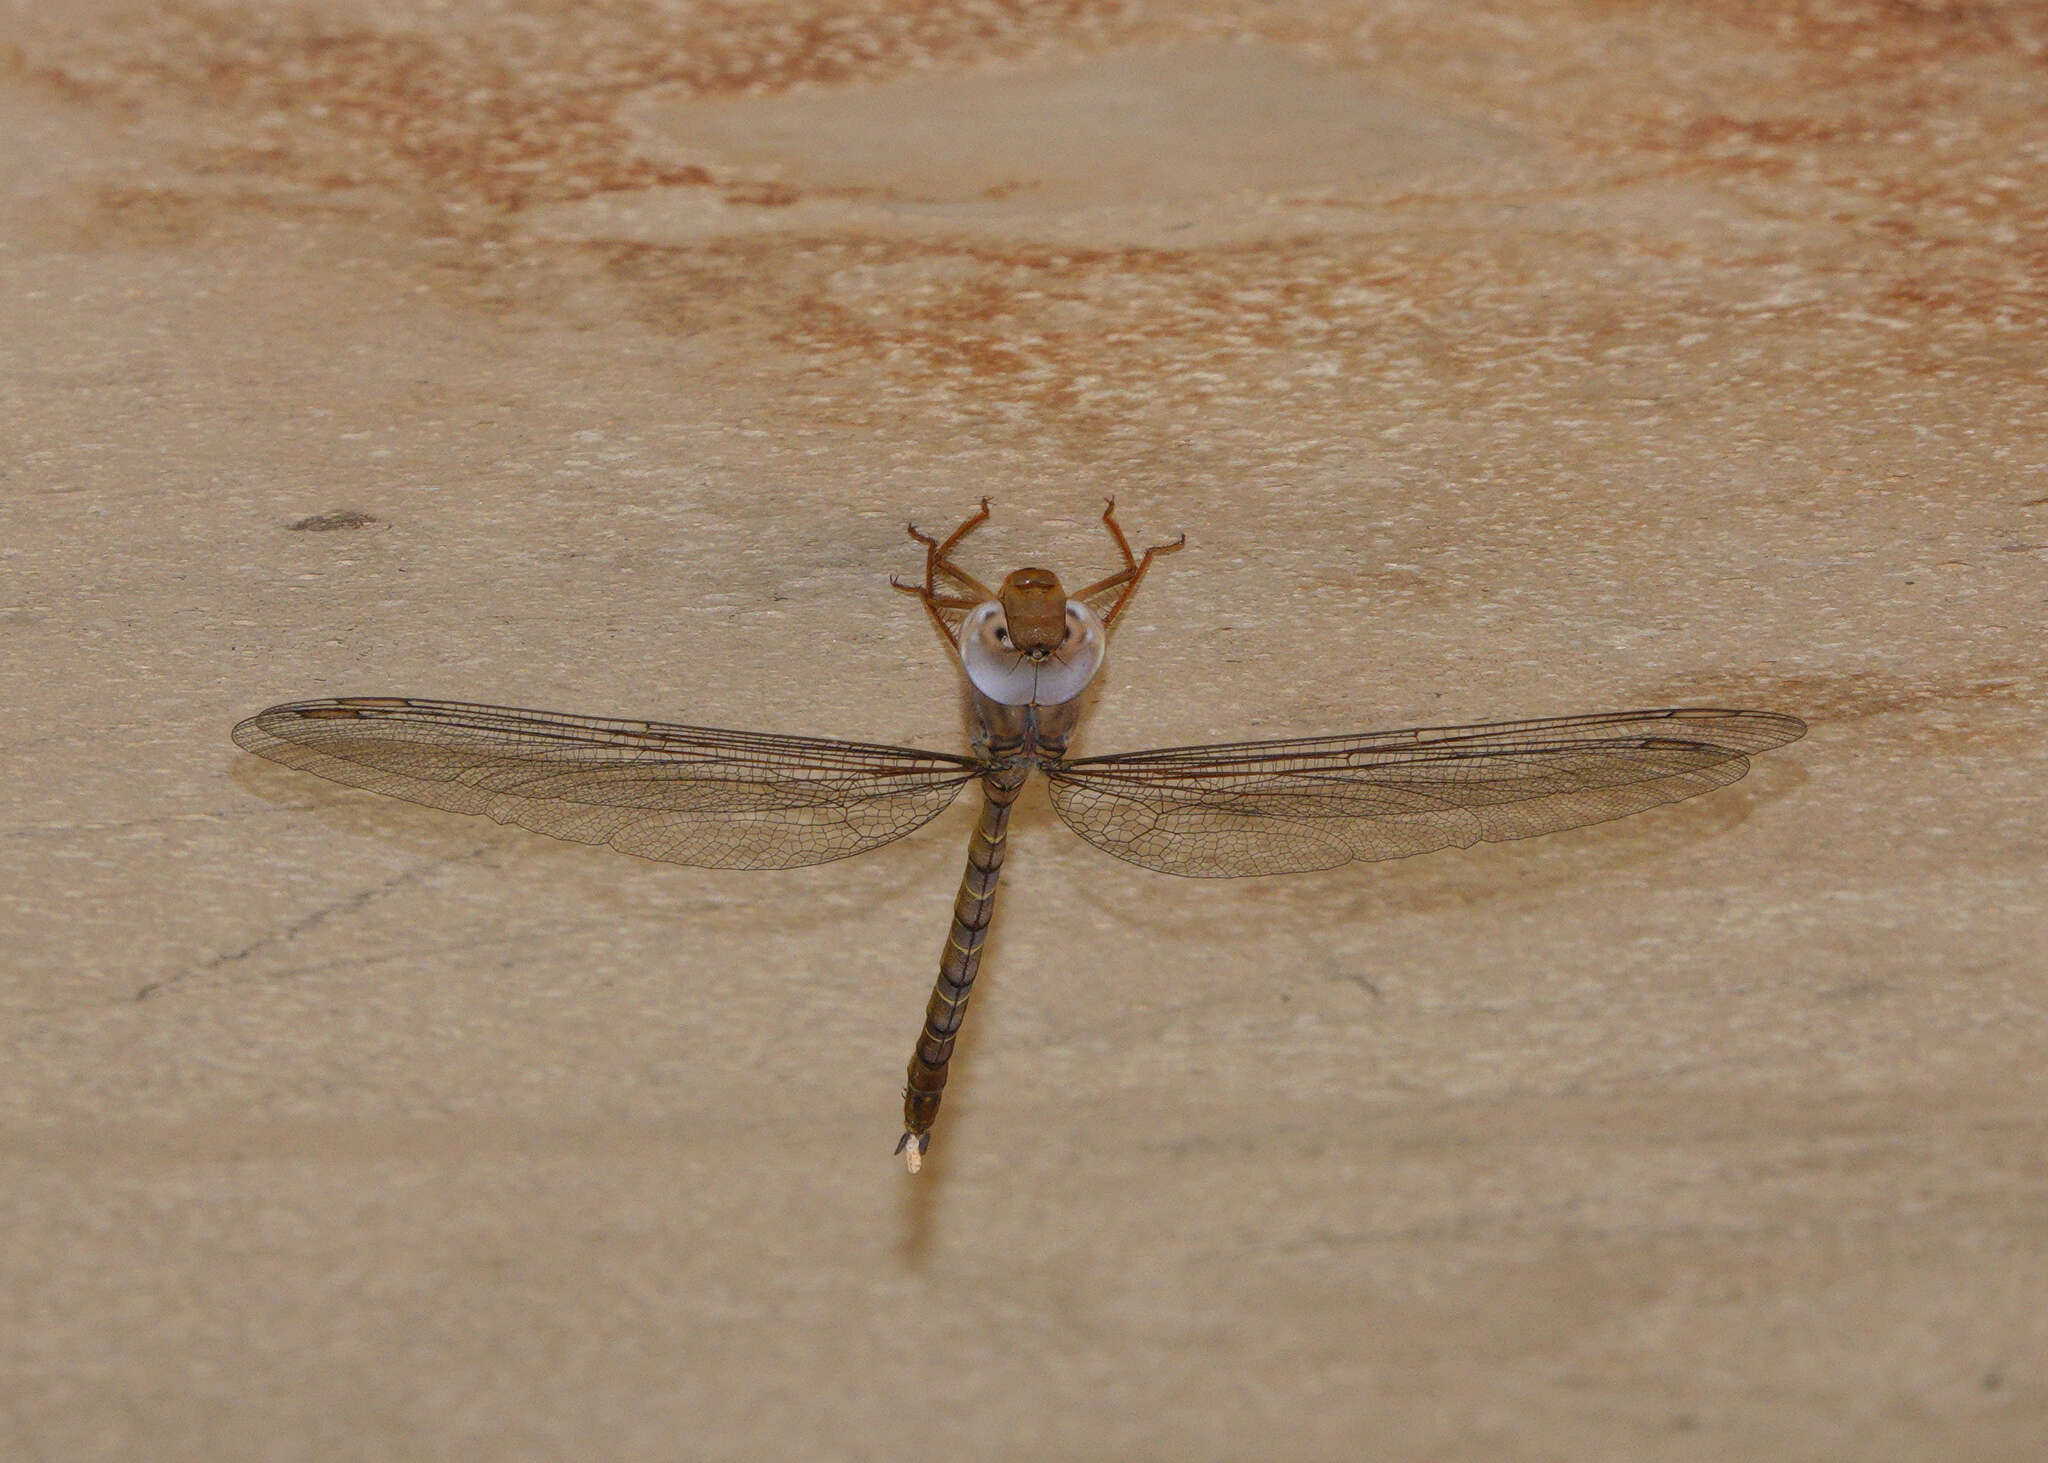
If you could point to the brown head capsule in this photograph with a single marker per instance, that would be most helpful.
(1035, 611)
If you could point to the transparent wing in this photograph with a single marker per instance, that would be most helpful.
(1281, 807)
(681, 794)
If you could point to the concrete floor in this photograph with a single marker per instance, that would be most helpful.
(1515, 359)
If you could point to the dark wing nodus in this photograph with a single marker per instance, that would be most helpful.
(1287, 806)
(681, 794)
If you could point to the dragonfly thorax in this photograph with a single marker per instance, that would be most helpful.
(1031, 645)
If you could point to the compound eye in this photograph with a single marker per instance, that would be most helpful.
(1075, 628)
(1002, 635)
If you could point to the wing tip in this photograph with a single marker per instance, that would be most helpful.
(1760, 731)
(251, 735)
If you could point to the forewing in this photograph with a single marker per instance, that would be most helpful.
(681, 794)
(1286, 806)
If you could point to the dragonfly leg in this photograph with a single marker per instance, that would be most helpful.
(1126, 579)
(938, 564)
(973, 907)
(938, 557)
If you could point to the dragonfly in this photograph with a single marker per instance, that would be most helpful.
(718, 799)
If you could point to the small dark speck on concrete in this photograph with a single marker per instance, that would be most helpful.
(326, 522)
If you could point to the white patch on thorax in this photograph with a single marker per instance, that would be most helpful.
(1005, 674)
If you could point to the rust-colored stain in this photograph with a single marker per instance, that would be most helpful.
(1880, 108)
(1892, 106)
(1873, 36)
(516, 106)
(1075, 333)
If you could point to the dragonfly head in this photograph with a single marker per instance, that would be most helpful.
(1031, 645)
(1034, 620)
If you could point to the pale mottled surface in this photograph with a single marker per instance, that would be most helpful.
(1528, 360)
